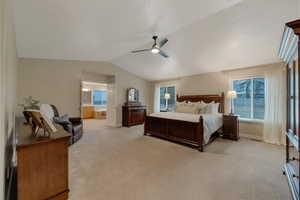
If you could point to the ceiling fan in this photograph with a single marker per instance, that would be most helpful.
(156, 47)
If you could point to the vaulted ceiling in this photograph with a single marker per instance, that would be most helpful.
(204, 36)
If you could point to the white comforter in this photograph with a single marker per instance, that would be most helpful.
(211, 122)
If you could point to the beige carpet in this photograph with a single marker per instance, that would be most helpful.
(122, 164)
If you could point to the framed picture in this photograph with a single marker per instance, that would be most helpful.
(40, 121)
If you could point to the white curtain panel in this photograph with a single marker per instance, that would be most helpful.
(157, 98)
(275, 106)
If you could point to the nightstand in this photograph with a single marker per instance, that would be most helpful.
(231, 127)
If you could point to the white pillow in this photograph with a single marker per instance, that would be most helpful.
(211, 108)
(216, 108)
(189, 102)
(202, 107)
(186, 108)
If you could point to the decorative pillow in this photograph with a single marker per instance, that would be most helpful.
(189, 102)
(202, 107)
(62, 119)
(186, 108)
(178, 104)
(199, 106)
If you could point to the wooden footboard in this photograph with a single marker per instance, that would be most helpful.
(190, 133)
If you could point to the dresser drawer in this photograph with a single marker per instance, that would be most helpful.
(136, 116)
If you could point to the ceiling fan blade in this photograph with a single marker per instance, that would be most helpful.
(138, 51)
(163, 42)
(163, 54)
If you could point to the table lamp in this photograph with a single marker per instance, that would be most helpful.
(167, 97)
(231, 95)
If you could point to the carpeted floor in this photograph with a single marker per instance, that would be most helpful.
(122, 164)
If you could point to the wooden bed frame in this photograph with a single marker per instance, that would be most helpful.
(190, 133)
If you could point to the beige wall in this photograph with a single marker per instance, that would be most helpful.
(8, 73)
(217, 82)
(58, 82)
(298, 8)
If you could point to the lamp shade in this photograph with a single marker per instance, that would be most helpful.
(167, 95)
(231, 94)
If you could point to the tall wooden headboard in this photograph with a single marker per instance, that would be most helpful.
(206, 98)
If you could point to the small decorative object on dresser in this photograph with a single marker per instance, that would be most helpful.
(231, 127)
(133, 112)
(37, 121)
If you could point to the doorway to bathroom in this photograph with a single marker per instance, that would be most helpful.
(97, 101)
(94, 98)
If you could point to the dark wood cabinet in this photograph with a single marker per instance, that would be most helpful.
(42, 165)
(290, 54)
(231, 127)
(133, 115)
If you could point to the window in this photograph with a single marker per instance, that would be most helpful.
(99, 97)
(250, 101)
(94, 97)
(167, 103)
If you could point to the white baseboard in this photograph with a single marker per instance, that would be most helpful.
(115, 125)
(251, 136)
(118, 125)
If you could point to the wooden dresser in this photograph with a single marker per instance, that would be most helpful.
(133, 115)
(231, 127)
(42, 166)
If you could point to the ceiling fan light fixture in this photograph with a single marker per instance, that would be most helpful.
(155, 50)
